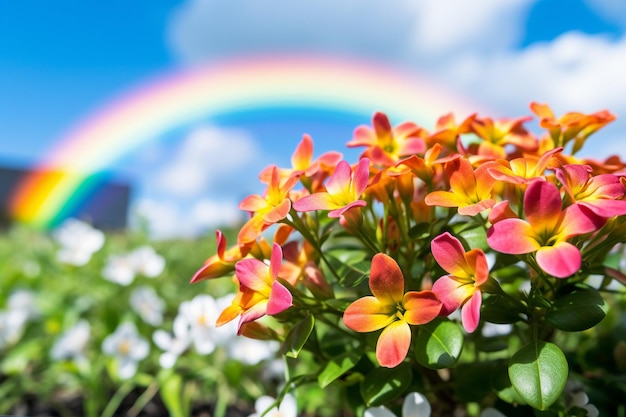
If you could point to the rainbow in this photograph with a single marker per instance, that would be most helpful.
(238, 85)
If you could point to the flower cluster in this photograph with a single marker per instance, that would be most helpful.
(476, 222)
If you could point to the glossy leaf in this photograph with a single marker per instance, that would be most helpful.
(439, 344)
(338, 366)
(578, 310)
(538, 373)
(385, 384)
(474, 236)
(298, 336)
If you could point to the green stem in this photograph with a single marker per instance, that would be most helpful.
(117, 399)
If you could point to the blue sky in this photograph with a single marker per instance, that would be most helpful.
(60, 61)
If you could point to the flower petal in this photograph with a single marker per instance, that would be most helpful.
(560, 260)
(542, 205)
(470, 313)
(450, 254)
(380, 411)
(280, 299)
(340, 179)
(421, 307)
(393, 344)
(367, 314)
(253, 274)
(512, 236)
(452, 293)
(317, 201)
(416, 405)
(386, 279)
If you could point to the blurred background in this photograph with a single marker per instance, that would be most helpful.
(164, 112)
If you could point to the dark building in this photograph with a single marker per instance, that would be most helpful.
(104, 204)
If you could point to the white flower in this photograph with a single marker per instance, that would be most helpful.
(119, 269)
(576, 397)
(145, 301)
(147, 262)
(11, 326)
(415, 405)
(72, 343)
(201, 313)
(78, 240)
(173, 345)
(252, 351)
(287, 408)
(23, 301)
(128, 347)
(123, 268)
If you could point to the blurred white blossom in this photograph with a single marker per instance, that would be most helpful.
(78, 240)
(72, 343)
(128, 347)
(122, 268)
(201, 313)
(119, 269)
(415, 405)
(287, 407)
(24, 301)
(147, 262)
(145, 302)
(174, 344)
(252, 351)
(575, 396)
(12, 324)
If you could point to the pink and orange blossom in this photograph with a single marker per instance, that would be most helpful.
(391, 309)
(343, 190)
(386, 145)
(260, 293)
(546, 230)
(468, 271)
(470, 190)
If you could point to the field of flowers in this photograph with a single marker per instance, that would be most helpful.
(99, 324)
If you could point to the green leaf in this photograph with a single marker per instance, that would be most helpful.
(538, 373)
(19, 356)
(171, 393)
(439, 344)
(474, 235)
(578, 310)
(338, 366)
(298, 336)
(420, 231)
(385, 384)
(500, 309)
(350, 272)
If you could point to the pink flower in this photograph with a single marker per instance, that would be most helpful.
(546, 230)
(260, 293)
(343, 190)
(468, 271)
(601, 194)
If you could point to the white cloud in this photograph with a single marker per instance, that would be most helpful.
(445, 27)
(575, 72)
(169, 218)
(206, 157)
(470, 46)
(201, 30)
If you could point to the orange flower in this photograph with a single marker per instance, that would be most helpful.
(470, 190)
(386, 145)
(390, 309)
